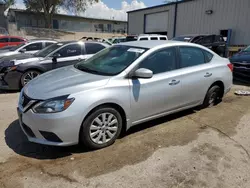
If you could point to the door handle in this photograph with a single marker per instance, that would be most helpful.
(174, 82)
(208, 74)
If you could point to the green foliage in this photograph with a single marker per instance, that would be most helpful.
(7, 3)
(50, 7)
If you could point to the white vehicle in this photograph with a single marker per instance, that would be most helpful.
(146, 37)
(30, 47)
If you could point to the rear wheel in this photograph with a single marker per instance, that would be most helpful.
(213, 97)
(101, 128)
(28, 76)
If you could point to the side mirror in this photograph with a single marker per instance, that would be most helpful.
(143, 73)
(22, 50)
(55, 56)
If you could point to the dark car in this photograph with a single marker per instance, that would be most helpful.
(213, 42)
(18, 70)
(241, 62)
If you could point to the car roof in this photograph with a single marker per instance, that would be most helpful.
(12, 37)
(155, 43)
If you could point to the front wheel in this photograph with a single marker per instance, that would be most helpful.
(101, 128)
(28, 76)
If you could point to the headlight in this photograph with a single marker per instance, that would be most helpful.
(53, 105)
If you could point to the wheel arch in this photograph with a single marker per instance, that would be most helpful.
(221, 85)
(112, 105)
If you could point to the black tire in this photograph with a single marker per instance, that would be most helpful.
(84, 136)
(23, 78)
(213, 97)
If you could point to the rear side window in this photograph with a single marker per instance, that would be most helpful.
(191, 56)
(163, 38)
(154, 38)
(15, 40)
(34, 46)
(208, 56)
(145, 38)
(3, 40)
(92, 48)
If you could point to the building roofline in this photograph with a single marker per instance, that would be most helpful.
(71, 16)
(159, 6)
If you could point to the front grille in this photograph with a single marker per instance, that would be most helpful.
(28, 131)
(52, 137)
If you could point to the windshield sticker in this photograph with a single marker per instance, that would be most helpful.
(136, 50)
(186, 38)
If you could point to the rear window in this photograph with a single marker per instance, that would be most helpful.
(15, 40)
(145, 38)
(3, 40)
(163, 38)
(131, 38)
(154, 38)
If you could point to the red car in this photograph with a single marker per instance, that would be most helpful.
(11, 41)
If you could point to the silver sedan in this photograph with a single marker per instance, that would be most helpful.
(121, 86)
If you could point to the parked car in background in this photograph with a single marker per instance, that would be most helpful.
(241, 62)
(120, 87)
(215, 43)
(117, 40)
(31, 47)
(144, 37)
(14, 74)
(11, 41)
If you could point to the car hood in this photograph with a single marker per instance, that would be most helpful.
(7, 53)
(240, 57)
(63, 81)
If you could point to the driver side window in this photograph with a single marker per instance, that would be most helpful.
(70, 50)
(160, 61)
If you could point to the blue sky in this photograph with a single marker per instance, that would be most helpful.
(108, 9)
(117, 3)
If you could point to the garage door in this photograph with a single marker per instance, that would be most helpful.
(156, 22)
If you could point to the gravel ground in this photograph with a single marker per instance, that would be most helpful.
(200, 149)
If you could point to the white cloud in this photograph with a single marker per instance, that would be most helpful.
(101, 10)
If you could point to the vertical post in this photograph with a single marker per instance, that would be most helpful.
(229, 34)
(175, 17)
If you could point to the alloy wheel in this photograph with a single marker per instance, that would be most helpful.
(103, 128)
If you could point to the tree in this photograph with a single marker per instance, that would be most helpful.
(49, 7)
(7, 3)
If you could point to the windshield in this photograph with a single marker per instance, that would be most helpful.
(14, 48)
(111, 61)
(183, 38)
(247, 49)
(46, 51)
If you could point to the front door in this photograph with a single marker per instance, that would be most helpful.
(159, 94)
(68, 55)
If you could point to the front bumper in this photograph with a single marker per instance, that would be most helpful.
(10, 80)
(56, 129)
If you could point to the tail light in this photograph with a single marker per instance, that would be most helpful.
(230, 66)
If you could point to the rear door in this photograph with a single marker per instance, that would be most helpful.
(197, 74)
(219, 46)
(91, 49)
(4, 41)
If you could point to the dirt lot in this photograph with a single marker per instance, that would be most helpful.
(208, 148)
